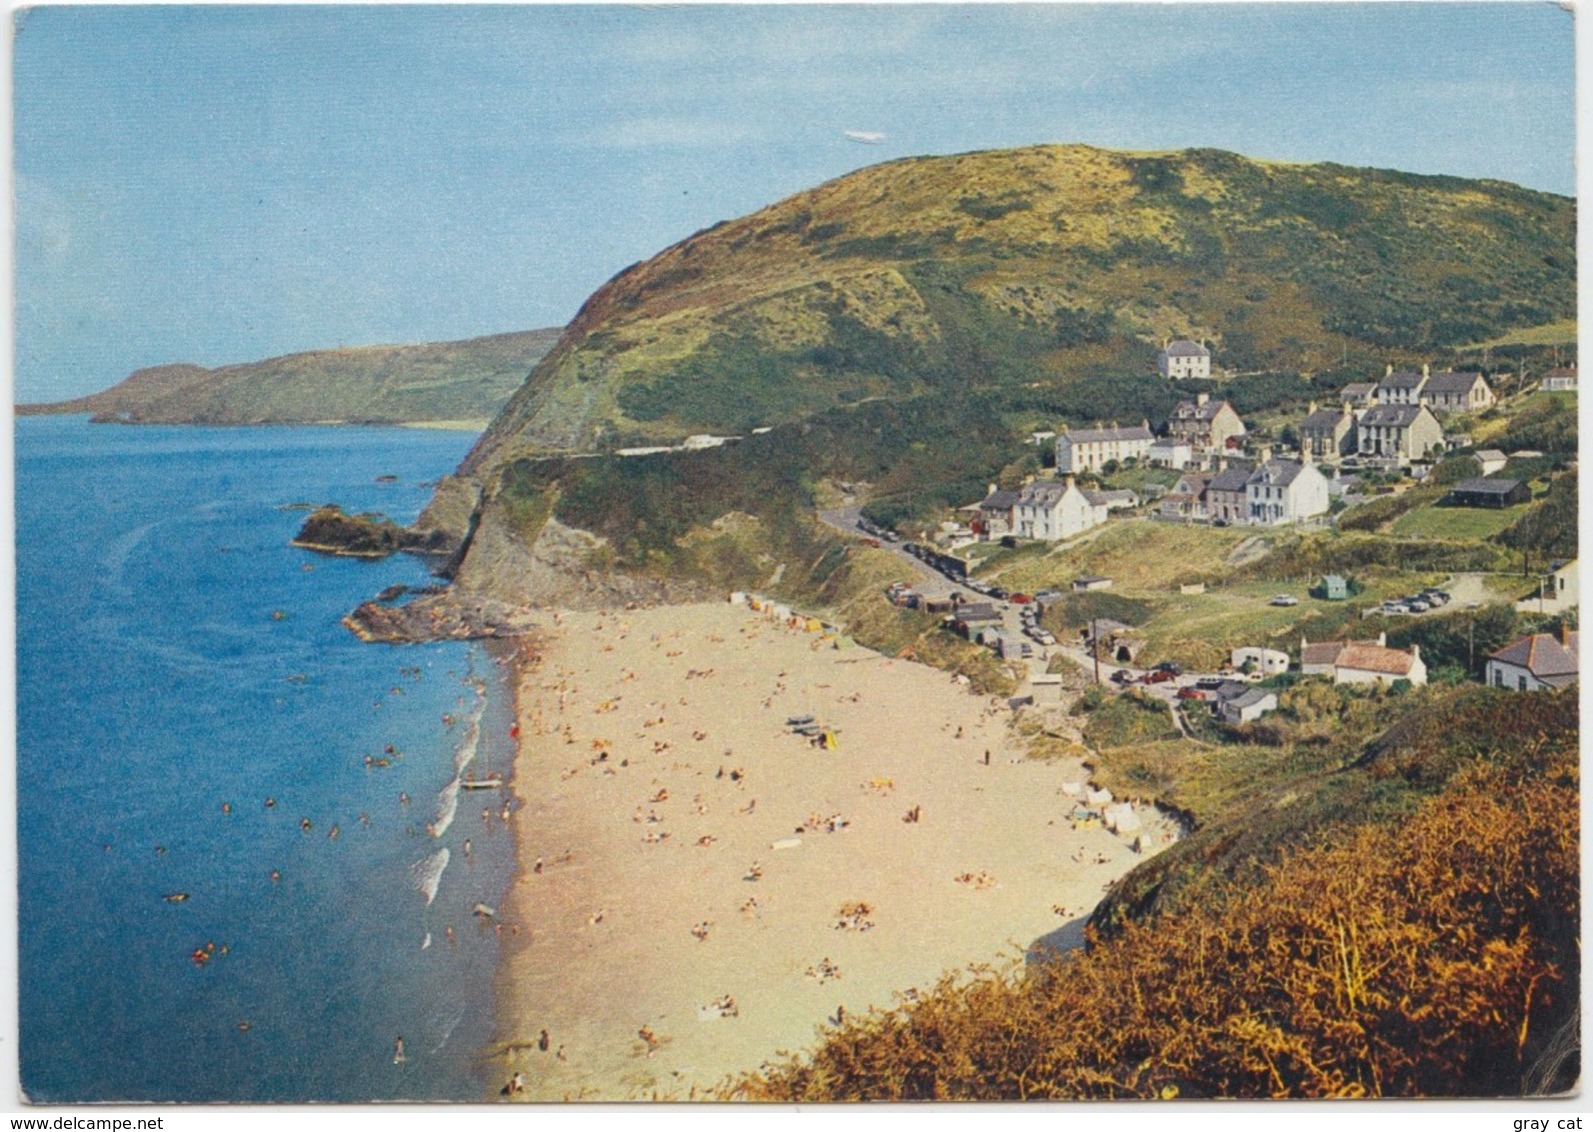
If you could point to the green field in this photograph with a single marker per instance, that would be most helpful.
(1473, 523)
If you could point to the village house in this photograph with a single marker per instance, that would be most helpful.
(1490, 460)
(1226, 499)
(1359, 393)
(1184, 501)
(1182, 358)
(1207, 426)
(1086, 582)
(1558, 590)
(1087, 449)
(1247, 706)
(1398, 433)
(1489, 493)
(1054, 509)
(1561, 379)
(1283, 491)
(992, 516)
(1536, 662)
(1451, 392)
(1362, 662)
(1116, 499)
(1328, 435)
(1400, 388)
(1165, 452)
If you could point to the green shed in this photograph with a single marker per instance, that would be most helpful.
(1334, 588)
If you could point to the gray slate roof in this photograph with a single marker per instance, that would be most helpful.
(1232, 478)
(1487, 486)
(1542, 654)
(1085, 435)
(1451, 382)
(1184, 348)
(999, 501)
(1323, 420)
(1189, 411)
(1392, 416)
(1401, 379)
(1278, 473)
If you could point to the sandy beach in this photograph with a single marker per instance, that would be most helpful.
(701, 888)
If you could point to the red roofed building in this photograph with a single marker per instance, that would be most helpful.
(1362, 662)
(1535, 662)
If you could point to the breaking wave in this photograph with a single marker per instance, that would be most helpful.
(426, 875)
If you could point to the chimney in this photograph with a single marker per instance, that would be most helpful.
(1565, 634)
(1201, 399)
(1415, 651)
(1310, 408)
(1424, 369)
(1067, 481)
(990, 489)
(1382, 639)
(1388, 370)
(1263, 453)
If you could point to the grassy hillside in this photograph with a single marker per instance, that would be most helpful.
(1037, 267)
(468, 381)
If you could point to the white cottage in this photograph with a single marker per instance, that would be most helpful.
(1054, 509)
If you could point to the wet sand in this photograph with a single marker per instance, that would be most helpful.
(680, 848)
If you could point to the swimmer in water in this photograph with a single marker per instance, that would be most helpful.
(226, 807)
(276, 877)
(335, 831)
(270, 802)
(398, 1051)
(467, 846)
(403, 798)
(304, 824)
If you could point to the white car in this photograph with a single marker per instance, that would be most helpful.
(1284, 599)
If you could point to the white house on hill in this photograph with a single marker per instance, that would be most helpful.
(1087, 449)
(1183, 358)
(1284, 491)
(1055, 509)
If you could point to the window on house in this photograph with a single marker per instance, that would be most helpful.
(1521, 683)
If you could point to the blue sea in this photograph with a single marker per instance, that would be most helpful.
(179, 664)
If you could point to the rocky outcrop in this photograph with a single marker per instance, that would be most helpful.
(448, 616)
(331, 530)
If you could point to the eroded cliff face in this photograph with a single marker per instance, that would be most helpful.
(559, 568)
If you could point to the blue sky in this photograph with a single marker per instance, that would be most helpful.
(223, 184)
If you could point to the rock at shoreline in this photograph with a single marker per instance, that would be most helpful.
(439, 617)
(331, 530)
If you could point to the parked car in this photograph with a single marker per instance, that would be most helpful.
(1045, 637)
(998, 593)
(1121, 676)
(1436, 597)
(1417, 605)
(1170, 666)
(1284, 599)
(1394, 607)
(1021, 599)
(1158, 676)
(1193, 693)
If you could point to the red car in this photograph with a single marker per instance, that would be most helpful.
(1020, 599)
(1158, 677)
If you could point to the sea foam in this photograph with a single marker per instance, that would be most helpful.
(426, 875)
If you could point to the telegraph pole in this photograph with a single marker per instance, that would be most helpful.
(1095, 649)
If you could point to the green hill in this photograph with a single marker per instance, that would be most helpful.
(1038, 266)
(468, 381)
